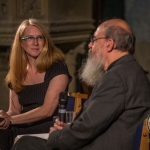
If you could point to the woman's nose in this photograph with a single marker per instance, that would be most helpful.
(35, 41)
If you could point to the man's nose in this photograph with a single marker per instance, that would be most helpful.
(90, 45)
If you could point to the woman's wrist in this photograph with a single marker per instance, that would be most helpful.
(10, 120)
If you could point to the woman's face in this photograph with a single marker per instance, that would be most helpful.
(32, 41)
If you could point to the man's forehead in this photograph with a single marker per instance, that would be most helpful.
(99, 30)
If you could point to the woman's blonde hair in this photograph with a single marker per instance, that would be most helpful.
(19, 61)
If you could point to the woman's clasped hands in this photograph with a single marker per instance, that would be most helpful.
(5, 120)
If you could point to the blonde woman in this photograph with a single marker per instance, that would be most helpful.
(36, 76)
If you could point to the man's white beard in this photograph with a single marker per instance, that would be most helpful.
(92, 70)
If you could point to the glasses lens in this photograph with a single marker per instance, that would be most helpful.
(92, 38)
(39, 38)
(30, 38)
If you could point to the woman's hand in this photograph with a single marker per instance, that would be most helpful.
(5, 123)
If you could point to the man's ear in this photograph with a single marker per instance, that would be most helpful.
(110, 45)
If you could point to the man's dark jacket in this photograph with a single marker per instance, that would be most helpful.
(118, 103)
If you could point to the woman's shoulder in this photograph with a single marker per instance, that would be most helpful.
(57, 68)
(58, 64)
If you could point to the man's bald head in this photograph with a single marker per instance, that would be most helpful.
(117, 22)
(120, 32)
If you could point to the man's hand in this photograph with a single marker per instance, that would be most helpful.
(57, 126)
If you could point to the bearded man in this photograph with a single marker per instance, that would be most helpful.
(119, 102)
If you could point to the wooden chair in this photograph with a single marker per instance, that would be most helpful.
(78, 100)
(142, 141)
(145, 141)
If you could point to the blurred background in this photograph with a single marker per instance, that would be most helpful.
(70, 24)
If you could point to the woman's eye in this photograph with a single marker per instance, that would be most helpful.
(39, 37)
(31, 37)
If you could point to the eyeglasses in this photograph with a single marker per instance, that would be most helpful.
(93, 39)
(32, 39)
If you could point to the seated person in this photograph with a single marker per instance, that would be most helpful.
(119, 102)
(36, 76)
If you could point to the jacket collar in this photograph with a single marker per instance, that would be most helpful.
(123, 59)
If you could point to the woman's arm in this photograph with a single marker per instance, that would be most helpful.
(57, 84)
(14, 109)
(14, 105)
